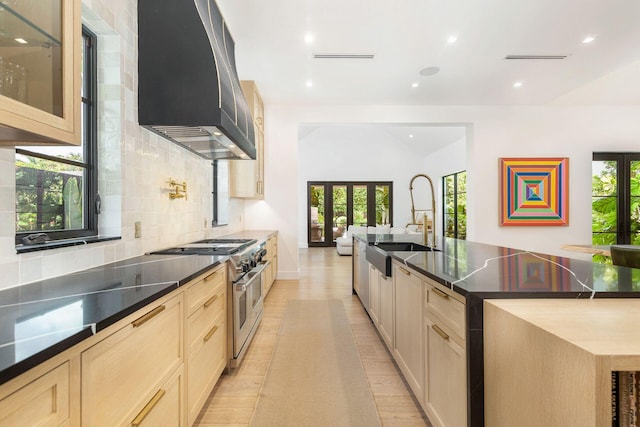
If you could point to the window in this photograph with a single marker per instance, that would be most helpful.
(56, 187)
(333, 206)
(615, 203)
(454, 217)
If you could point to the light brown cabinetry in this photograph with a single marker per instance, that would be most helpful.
(246, 177)
(374, 294)
(549, 361)
(122, 373)
(205, 344)
(407, 347)
(45, 401)
(165, 408)
(445, 397)
(387, 309)
(269, 274)
(40, 72)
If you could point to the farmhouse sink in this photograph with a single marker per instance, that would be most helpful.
(378, 253)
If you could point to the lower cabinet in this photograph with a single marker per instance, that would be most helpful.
(41, 402)
(374, 293)
(122, 373)
(165, 408)
(155, 367)
(269, 274)
(206, 343)
(386, 313)
(408, 349)
(445, 361)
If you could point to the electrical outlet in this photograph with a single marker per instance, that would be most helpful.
(138, 229)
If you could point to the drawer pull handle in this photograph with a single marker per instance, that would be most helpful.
(148, 408)
(440, 293)
(211, 276)
(210, 333)
(440, 332)
(150, 315)
(404, 271)
(210, 301)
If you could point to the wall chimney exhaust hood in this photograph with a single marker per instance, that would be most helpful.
(188, 89)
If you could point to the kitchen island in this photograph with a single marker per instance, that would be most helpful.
(473, 272)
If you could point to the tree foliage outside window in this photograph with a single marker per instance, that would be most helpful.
(455, 205)
(615, 205)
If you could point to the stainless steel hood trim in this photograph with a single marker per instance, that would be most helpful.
(188, 86)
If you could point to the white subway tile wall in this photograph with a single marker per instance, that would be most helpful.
(134, 166)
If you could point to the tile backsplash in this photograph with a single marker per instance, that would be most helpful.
(134, 167)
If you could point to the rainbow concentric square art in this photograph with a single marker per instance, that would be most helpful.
(534, 191)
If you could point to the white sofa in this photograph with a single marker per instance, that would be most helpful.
(344, 244)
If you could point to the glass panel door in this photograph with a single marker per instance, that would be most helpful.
(359, 203)
(339, 207)
(316, 214)
(604, 202)
(382, 204)
(634, 201)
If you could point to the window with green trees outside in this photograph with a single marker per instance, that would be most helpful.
(615, 199)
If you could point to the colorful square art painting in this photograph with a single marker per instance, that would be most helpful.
(534, 191)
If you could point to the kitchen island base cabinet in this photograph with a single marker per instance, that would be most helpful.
(408, 349)
(42, 402)
(386, 313)
(122, 373)
(445, 358)
(374, 294)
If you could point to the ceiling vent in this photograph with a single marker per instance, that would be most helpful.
(343, 56)
(535, 56)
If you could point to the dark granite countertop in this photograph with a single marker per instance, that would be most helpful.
(41, 319)
(489, 271)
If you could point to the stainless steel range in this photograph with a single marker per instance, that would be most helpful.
(244, 294)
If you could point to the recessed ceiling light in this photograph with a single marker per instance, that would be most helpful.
(21, 40)
(411, 135)
(429, 71)
(308, 38)
(517, 84)
(588, 39)
(452, 39)
(309, 83)
(415, 85)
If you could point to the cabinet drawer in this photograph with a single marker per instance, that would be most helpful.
(164, 408)
(442, 303)
(121, 371)
(199, 293)
(42, 402)
(206, 360)
(201, 321)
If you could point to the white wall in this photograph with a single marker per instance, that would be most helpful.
(347, 153)
(134, 167)
(495, 132)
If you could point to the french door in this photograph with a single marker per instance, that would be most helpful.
(333, 206)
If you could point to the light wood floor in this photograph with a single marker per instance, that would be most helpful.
(323, 275)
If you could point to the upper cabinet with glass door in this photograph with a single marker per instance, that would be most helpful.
(40, 72)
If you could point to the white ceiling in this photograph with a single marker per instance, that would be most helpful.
(408, 35)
